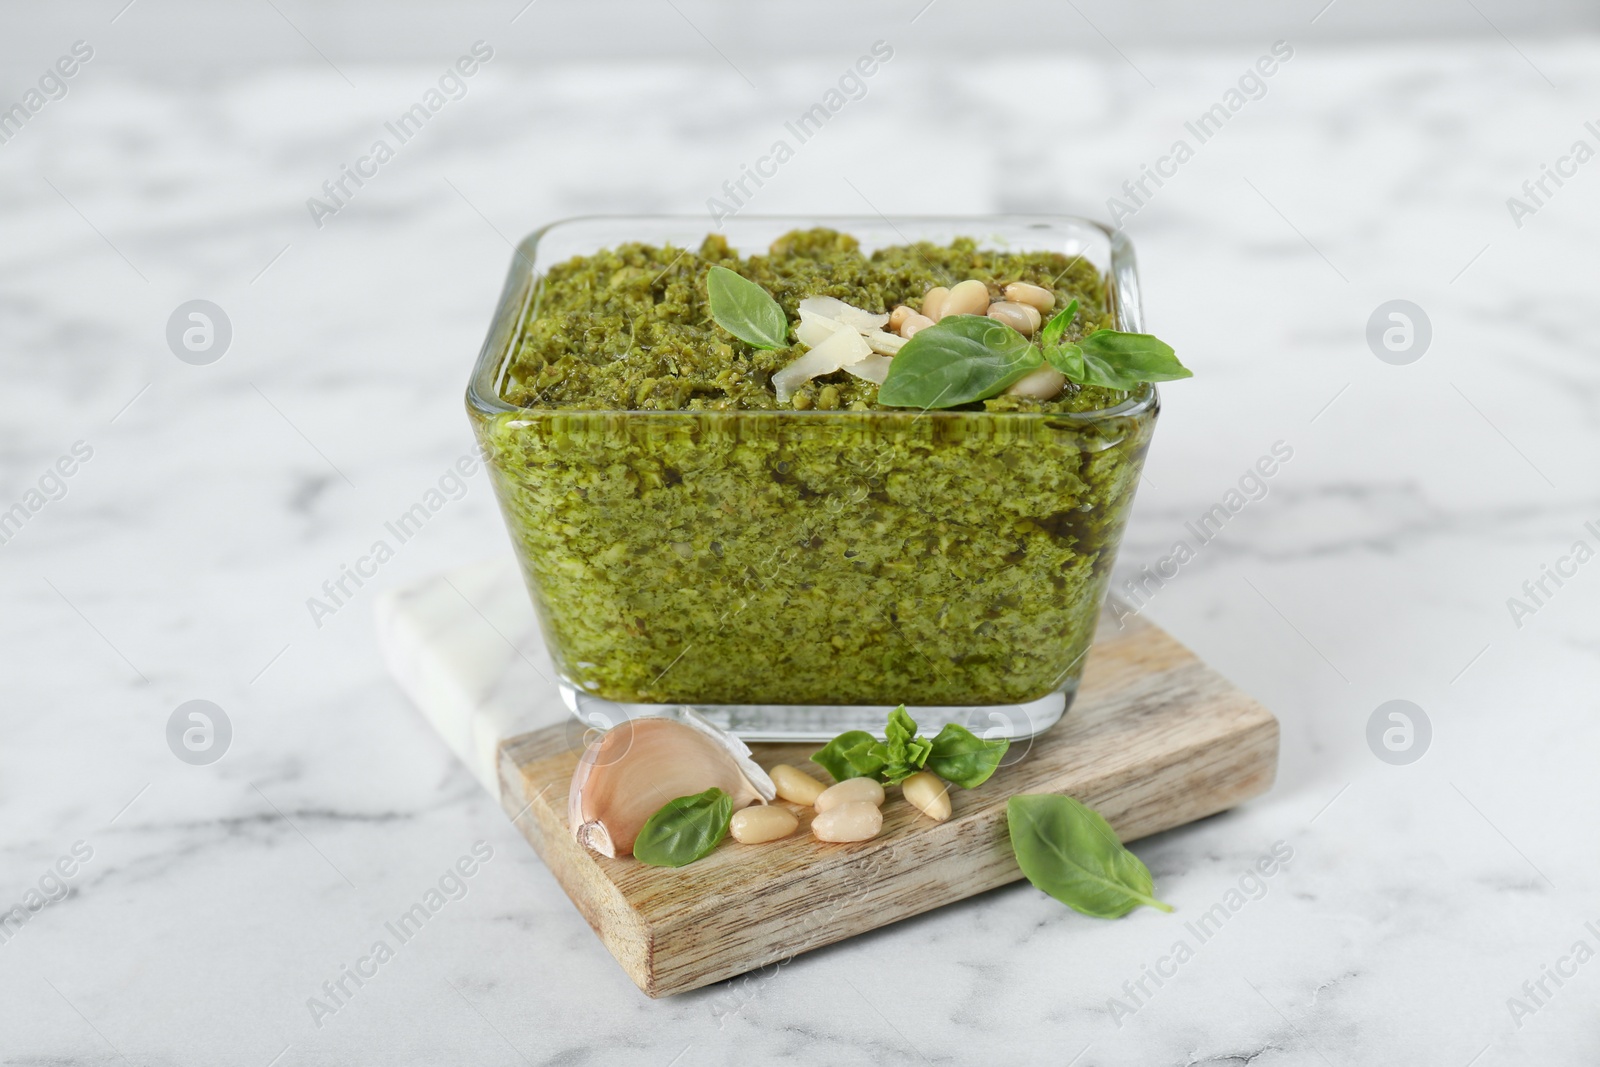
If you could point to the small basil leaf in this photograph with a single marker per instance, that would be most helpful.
(746, 310)
(1121, 360)
(901, 728)
(850, 756)
(958, 755)
(1057, 326)
(1066, 849)
(684, 829)
(903, 752)
(1067, 358)
(959, 359)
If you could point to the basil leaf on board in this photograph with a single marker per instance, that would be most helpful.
(746, 310)
(684, 829)
(1066, 849)
(1051, 334)
(957, 360)
(1121, 360)
(850, 756)
(903, 752)
(958, 755)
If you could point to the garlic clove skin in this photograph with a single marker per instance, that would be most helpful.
(625, 776)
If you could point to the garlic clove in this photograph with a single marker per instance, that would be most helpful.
(625, 776)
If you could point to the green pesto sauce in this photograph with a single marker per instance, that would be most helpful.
(628, 328)
(710, 549)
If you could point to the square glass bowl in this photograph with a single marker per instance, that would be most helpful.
(794, 574)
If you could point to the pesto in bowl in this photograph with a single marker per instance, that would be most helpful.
(687, 539)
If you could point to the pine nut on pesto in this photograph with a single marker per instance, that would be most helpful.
(688, 539)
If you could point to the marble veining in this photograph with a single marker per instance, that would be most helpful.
(177, 562)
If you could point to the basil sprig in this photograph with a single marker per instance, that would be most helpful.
(685, 829)
(965, 358)
(746, 310)
(956, 755)
(1068, 850)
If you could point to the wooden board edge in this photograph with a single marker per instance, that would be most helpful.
(1216, 785)
(543, 823)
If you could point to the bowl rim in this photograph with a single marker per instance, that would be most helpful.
(511, 307)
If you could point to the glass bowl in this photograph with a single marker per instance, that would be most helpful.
(794, 574)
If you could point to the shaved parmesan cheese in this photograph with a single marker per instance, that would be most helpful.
(815, 329)
(831, 307)
(885, 344)
(874, 368)
(841, 349)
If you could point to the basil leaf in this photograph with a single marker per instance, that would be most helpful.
(850, 756)
(1121, 360)
(903, 752)
(1067, 358)
(746, 310)
(1066, 849)
(958, 755)
(1057, 326)
(959, 359)
(684, 829)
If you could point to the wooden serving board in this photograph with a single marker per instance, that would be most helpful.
(1154, 740)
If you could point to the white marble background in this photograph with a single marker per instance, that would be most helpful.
(220, 497)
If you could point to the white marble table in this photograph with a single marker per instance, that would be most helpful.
(217, 899)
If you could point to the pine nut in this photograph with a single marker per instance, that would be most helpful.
(970, 297)
(850, 791)
(795, 785)
(897, 316)
(1042, 384)
(913, 323)
(928, 795)
(1035, 296)
(854, 821)
(933, 302)
(1024, 318)
(763, 822)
